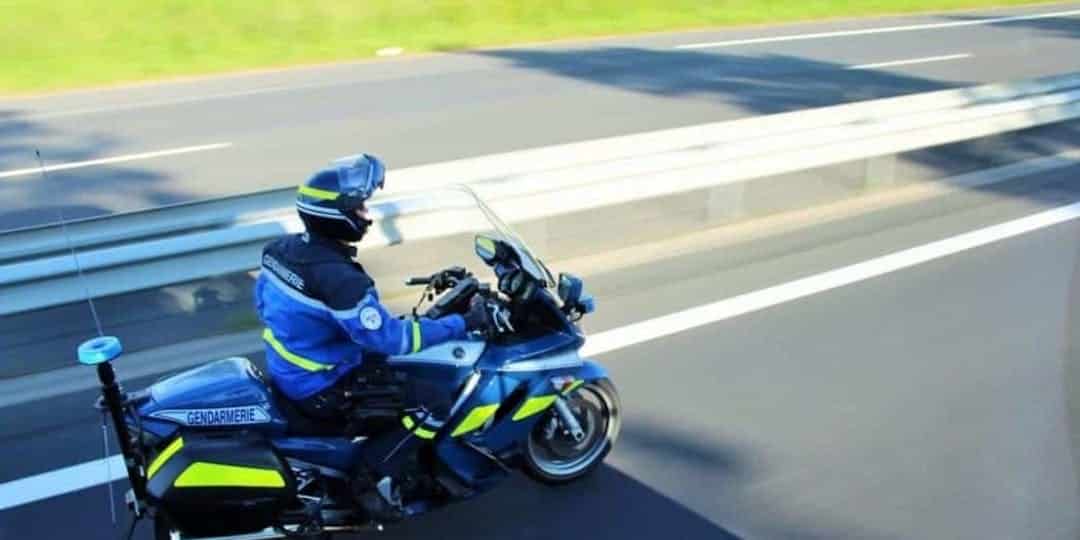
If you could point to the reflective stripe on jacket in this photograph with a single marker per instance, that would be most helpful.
(322, 315)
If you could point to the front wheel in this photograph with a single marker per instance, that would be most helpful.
(552, 456)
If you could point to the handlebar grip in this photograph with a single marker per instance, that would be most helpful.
(458, 272)
(417, 281)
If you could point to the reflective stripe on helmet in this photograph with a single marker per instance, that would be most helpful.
(333, 194)
(316, 193)
(318, 211)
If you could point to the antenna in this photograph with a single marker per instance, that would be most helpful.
(71, 249)
(97, 324)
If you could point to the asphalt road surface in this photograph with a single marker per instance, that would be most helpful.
(937, 401)
(197, 139)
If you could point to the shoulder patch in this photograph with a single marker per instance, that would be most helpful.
(370, 318)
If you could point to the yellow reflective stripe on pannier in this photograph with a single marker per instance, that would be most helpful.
(164, 456)
(200, 474)
(533, 406)
(416, 337)
(294, 359)
(475, 419)
(409, 424)
(316, 193)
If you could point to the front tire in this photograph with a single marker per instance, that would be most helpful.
(553, 457)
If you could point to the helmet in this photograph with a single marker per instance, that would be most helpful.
(328, 200)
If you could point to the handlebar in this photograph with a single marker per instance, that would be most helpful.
(441, 280)
(455, 301)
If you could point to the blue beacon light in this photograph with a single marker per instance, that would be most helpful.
(99, 350)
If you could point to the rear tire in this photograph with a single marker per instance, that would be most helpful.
(557, 459)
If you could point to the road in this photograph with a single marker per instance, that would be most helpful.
(203, 138)
(936, 401)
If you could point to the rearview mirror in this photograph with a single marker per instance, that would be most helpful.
(570, 287)
(490, 249)
(572, 294)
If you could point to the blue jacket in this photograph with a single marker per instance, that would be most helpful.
(322, 315)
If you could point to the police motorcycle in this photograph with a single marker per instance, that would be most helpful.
(218, 452)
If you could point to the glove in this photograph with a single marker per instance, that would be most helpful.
(477, 317)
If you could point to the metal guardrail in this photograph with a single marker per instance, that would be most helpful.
(36, 242)
(133, 251)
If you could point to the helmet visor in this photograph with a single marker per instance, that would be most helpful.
(359, 178)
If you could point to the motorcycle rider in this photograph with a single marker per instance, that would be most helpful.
(321, 310)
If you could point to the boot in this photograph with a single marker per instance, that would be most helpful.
(382, 501)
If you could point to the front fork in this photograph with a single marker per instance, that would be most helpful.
(569, 421)
(588, 372)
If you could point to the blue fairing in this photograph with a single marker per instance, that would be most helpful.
(591, 371)
(160, 429)
(225, 383)
(498, 355)
(512, 375)
(469, 465)
(225, 393)
(334, 452)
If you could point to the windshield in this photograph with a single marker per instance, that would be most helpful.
(529, 261)
(448, 212)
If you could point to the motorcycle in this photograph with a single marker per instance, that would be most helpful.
(218, 452)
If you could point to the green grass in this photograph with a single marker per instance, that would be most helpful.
(59, 44)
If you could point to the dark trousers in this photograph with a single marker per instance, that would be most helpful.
(330, 404)
(374, 390)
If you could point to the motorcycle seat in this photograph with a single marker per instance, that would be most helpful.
(300, 424)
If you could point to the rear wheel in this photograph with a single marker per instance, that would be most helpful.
(553, 456)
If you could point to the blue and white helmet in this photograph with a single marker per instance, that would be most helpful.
(328, 201)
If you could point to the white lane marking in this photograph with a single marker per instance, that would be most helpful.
(742, 304)
(879, 30)
(116, 159)
(926, 60)
(91, 473)
(61, 481)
